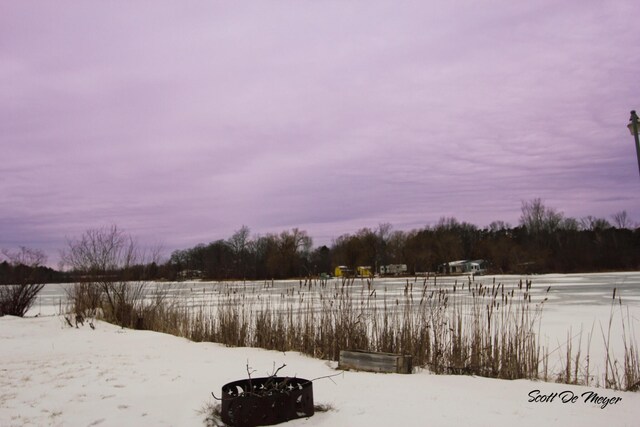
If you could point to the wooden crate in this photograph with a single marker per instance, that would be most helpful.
(375, 362)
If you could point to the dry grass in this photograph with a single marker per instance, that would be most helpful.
(450, 328)
(465, 329)
(617, 375)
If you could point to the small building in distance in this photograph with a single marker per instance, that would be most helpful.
(463, 267)
(393, 270)
(190, 275)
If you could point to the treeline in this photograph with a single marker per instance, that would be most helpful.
(277, 256)
(544, 241)
(25, 266)
(11, 274)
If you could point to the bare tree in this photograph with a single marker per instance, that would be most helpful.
(101, 251)
(499, 226)
(621, 220)
(570, 224)
(102, 259)
(239, 243)
(536, 217)
(22, 283)
(239, 240)
(591, 223)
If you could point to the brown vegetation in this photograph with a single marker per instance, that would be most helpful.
(449, 327)
(21, 279)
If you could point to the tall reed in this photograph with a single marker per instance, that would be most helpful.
(464, 327)
(448, 327)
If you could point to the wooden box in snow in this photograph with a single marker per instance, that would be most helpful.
(359, 360)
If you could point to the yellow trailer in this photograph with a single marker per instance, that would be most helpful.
(364, 271)
(342, 271)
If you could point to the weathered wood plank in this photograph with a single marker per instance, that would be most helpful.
(375, 362)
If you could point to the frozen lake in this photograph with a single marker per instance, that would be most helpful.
(566, 290)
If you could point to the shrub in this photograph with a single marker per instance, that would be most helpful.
(105, 260)
(21, 281)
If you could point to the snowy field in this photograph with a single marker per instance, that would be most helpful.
(55, 375)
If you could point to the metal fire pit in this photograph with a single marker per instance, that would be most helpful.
(266, 401)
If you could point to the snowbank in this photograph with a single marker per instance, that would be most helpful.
(55, 375)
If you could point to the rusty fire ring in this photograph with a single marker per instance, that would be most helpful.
(266, 401)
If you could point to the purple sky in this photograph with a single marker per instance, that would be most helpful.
(182, 121)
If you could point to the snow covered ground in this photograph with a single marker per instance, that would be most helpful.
(54, 375)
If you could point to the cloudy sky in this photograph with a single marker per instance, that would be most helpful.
(182, 121)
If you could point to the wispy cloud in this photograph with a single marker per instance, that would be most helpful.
(182, 122)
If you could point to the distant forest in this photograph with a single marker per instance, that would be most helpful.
(545, 241)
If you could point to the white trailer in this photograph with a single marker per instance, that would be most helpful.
(393, 269)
